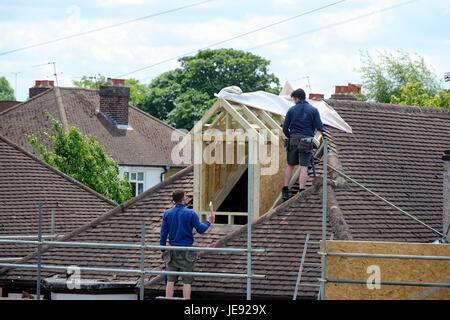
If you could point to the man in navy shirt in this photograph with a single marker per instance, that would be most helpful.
(300, 125)
(178, 224)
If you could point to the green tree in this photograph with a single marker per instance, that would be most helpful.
(137, 90)
(6, 92)
(385, 76)
(91, 82)
(412, 94)
(206, 73)
(84, 159)
(189, 108)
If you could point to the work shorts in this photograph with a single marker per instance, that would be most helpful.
(180, 261)
(299, 153)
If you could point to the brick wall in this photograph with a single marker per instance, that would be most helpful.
(114, 103)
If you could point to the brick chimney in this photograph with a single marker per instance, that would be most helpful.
(346, 92)
(446, 212)
(114, 97)
(40, 86)
(316, 96)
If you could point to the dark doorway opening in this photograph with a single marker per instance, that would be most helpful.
(237, 199)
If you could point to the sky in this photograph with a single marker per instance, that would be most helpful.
(318, 60)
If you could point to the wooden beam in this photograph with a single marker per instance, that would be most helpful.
(198, 176)
(217, 120)
(256, 183)
(208, 114)
(236, 115)
(252, 117)
(268, 119)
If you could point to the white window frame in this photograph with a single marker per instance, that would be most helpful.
(129, 173)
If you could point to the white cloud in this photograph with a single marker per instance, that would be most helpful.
(125, 2)
(328, 57)
(283, 2)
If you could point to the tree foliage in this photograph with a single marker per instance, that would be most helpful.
(137, 90)
(94, 82)
(182, 95)
(189, 108)
(84, 159)
(403, 79)
(413, 95)
(6, 92)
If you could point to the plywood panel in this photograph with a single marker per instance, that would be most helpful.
(391, 270)
(271, 185)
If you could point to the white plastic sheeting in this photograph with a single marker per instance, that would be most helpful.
(279, 105)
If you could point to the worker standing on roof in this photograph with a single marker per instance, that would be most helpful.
(178, 223)
(300, 125)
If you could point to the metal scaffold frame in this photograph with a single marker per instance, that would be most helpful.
(142, 246)
(323, 280)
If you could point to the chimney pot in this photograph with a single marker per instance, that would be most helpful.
(346, 92)
(40, 86)
(316, 96)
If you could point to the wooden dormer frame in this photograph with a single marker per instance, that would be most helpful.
(214, 182)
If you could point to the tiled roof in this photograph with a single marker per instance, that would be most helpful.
(123, 225)
(24, 182)
(394, 150)
(148, 144)
(5, 105)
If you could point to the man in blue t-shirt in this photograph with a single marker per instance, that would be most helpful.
(178, 224)
(300, 125)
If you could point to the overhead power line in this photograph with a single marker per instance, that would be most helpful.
(105, 27)
(334, 24)
(286, 38)
(233, 38)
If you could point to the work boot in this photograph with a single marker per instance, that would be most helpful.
(286, 195)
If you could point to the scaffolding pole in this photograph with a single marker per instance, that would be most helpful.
(39, 253)
(324, 216)
(250, 195)
(130, 246)
(142, 264)
(142, 246)
(131, 271)
(300, 271)
(385, 256)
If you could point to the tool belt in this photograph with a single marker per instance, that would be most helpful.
(302, 143)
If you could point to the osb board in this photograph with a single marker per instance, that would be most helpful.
(391, 270)
(271, 185)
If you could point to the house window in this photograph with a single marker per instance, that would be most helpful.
(136, 180)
